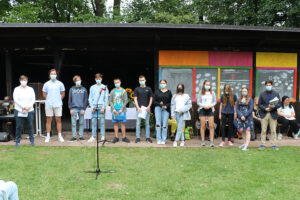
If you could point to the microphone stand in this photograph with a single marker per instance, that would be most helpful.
(98, 170)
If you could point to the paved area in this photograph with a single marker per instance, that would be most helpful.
(194, 142)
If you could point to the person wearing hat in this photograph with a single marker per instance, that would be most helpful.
(287, 118)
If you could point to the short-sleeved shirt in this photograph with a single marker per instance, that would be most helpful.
(287, 110)
(118, 103)
(228, 109)
(143, 95)
(53, 90)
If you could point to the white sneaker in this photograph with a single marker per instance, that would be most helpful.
(158, 142)
(102, 138)
(174, 144)
(92, 139)
(182, 143)
(163, 143)
(47, 139)
(296, 137)
(61, 139)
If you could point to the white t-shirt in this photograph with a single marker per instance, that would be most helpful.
(207, 99)
(180, 101)
(287, 111)
(24, 97)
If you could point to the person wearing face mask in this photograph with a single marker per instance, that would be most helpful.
(24, 98)
(162, 102)
(268, 113)
(54, 93)
(180, 111)
(77, 102)
(118, 100)
(98, 98)
(143, 96)
(244, 108)
(8, 105)
(206, 102)
(227, 114)
(287, 118)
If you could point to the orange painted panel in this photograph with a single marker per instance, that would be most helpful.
(192, 58)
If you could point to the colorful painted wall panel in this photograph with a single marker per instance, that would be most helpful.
(276, 60)
(183, 58)
(225, 58)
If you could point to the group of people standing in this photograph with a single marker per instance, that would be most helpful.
(169, 109)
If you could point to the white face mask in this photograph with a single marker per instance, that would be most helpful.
(23, 83)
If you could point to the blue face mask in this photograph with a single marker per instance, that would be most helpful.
(162, 85)
(117, 85)
(98, 81)
(142, 82)
(268, 88)
(53, 77)
(78, 83)
(207, 87)
(227, 93)
(6, 104)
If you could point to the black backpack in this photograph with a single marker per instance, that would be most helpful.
(4, 137)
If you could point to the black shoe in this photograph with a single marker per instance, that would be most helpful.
(81, 139)
(267, 139)
(115, 140)
(172, 138)
(72, 139)
(137, 140)
(148, 140)
(125, 139)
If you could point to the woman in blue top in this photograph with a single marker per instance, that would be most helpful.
(227, 113)
(244, 108)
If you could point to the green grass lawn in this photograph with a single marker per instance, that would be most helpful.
(152, 173)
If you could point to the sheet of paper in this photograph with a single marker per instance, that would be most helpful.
(20, 114)
(143, 114)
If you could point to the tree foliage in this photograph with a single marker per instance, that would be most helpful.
(284, 13)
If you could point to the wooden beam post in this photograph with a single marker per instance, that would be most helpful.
(8, 74)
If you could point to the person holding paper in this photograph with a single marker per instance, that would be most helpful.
(162, 103)
(118, 100)
(54, 93)
(98, 99)
(244, 108)
(206, 102)
(180, 111)
(268, 112)
(78, 101)
(227, 114)
(24, 98)
(143, 97)
(287, 118)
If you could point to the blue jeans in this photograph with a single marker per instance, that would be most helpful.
(161, 116)
(19, 125)
(74, 122)
(102, 123)
(180, 125)
(138, 125)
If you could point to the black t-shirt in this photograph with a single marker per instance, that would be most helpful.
(143, 95)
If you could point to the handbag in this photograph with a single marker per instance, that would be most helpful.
(4, 137)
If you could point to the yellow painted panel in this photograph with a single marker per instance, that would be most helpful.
(270, 59)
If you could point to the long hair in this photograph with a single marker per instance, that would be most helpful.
(247, 97)
(203, 87)
(255, 106)
(231, 100)
(182, 85)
